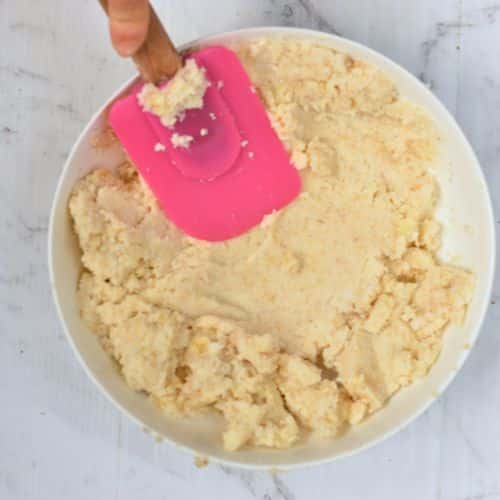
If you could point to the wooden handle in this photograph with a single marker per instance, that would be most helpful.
(157, 59)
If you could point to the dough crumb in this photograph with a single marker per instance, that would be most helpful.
(201, 462)
(181, 141)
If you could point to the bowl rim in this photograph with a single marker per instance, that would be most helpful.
(358, 47)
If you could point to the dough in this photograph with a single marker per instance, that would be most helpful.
(185, 91)
(311, 321)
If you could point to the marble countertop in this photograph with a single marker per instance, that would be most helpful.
(59, 437)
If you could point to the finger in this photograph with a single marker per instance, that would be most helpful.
(129, 22)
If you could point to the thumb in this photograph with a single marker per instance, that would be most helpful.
(129, 23)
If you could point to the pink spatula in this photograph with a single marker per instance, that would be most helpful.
(229, 178)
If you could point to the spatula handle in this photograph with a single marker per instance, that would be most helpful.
(157, 58)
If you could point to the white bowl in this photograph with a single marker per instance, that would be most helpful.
(465, 212)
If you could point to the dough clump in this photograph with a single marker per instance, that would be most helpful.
(185, 91)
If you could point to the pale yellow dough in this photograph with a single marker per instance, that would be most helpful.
(185, 91)
(311, 321)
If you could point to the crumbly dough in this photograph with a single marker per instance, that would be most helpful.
(185, 91)
(311, 321)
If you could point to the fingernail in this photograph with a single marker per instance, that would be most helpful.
(127, 48)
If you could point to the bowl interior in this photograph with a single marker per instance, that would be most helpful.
(465, 211)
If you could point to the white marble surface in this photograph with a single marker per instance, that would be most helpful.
(59, 438)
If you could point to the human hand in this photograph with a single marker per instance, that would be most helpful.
(128, 23)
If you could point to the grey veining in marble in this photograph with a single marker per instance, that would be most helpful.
(56, 68)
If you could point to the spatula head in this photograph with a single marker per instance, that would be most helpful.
(233, 173)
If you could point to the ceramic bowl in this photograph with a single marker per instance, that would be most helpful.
(465, 212)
